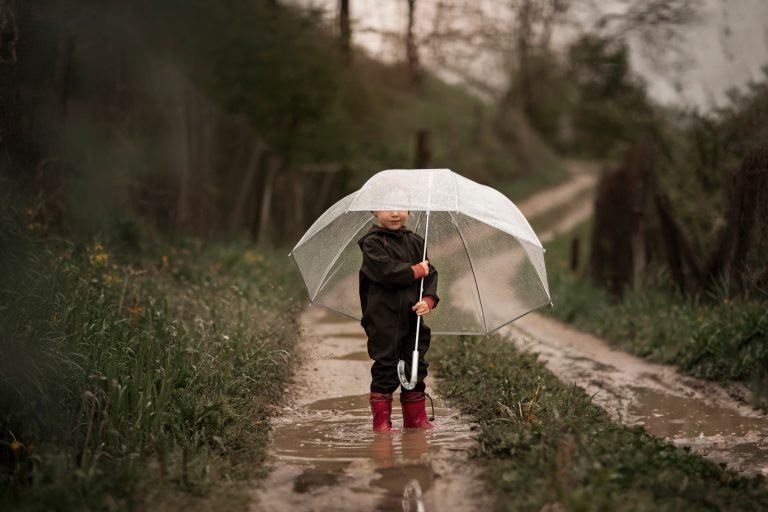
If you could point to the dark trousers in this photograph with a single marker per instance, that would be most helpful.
(388, 348)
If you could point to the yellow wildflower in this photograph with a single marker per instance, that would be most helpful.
(134, 313)
(99, 258)
(252, 257)
(137, 310)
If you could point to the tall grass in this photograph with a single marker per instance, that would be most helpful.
(125, 376)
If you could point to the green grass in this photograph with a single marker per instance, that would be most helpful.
(708, 335)
(142, 378)
(545, 446)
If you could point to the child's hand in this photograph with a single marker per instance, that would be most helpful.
(421, 308)
(425, 265)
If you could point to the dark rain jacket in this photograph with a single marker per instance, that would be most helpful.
(388, 291)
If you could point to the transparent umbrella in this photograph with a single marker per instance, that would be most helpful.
(490, 261)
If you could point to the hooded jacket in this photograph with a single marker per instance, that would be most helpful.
(389, 283)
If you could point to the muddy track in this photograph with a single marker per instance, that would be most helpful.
(702, 415)
(325, 456)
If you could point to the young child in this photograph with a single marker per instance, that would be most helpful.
(390, 278)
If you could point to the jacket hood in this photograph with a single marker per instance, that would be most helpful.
(378, 229)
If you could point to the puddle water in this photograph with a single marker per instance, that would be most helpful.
(331, 445)
(724, 433)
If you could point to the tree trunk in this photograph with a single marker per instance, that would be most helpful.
(345, 30)
(747, 203)
(677, 247)
(618, 254)
(245, 189)
(411, 49)
(182, 154)
(63, 74)
(262, 233)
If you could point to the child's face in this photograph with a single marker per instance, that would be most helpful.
(393, 220)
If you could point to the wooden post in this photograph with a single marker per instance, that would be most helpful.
(423, 158)
(575, 254)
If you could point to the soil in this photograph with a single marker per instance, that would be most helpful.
(325, 455)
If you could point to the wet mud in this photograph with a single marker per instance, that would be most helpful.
(326, 457)
(687, 411)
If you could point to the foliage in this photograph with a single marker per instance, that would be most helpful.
(135, 377)
(546, 445)
(163, 108)
(611, 108)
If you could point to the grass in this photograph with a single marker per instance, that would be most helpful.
(545, 446)
(137, 378)
(711, 336)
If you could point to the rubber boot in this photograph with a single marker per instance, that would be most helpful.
(381, 407)
(414, 413)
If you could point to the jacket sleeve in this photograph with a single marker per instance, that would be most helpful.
(430, 284)
(380, 267)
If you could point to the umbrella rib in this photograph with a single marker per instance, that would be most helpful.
(455, 191)
(518, 317)
(472, 268)
(336, 258)
(541, 279)
(418, 222)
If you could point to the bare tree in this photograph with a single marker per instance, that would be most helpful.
(345, 30)
(411, 48)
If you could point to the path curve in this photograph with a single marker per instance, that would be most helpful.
(688, 411)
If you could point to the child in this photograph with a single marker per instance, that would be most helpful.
(390, 277)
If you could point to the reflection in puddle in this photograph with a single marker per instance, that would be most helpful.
(742, 439)
(333, 442)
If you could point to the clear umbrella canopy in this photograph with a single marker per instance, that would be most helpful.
(490, 263)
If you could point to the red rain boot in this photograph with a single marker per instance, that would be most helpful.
(414, 413)
(381, 407)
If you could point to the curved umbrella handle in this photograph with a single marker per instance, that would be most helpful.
(408, 384)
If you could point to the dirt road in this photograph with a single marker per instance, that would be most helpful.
(327, 458)
(688, 411)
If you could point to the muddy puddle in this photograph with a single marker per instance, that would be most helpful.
(326, 457)
(721, 433)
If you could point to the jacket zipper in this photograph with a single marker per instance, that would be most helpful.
(397, 325)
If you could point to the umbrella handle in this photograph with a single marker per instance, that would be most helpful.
(410, 384)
